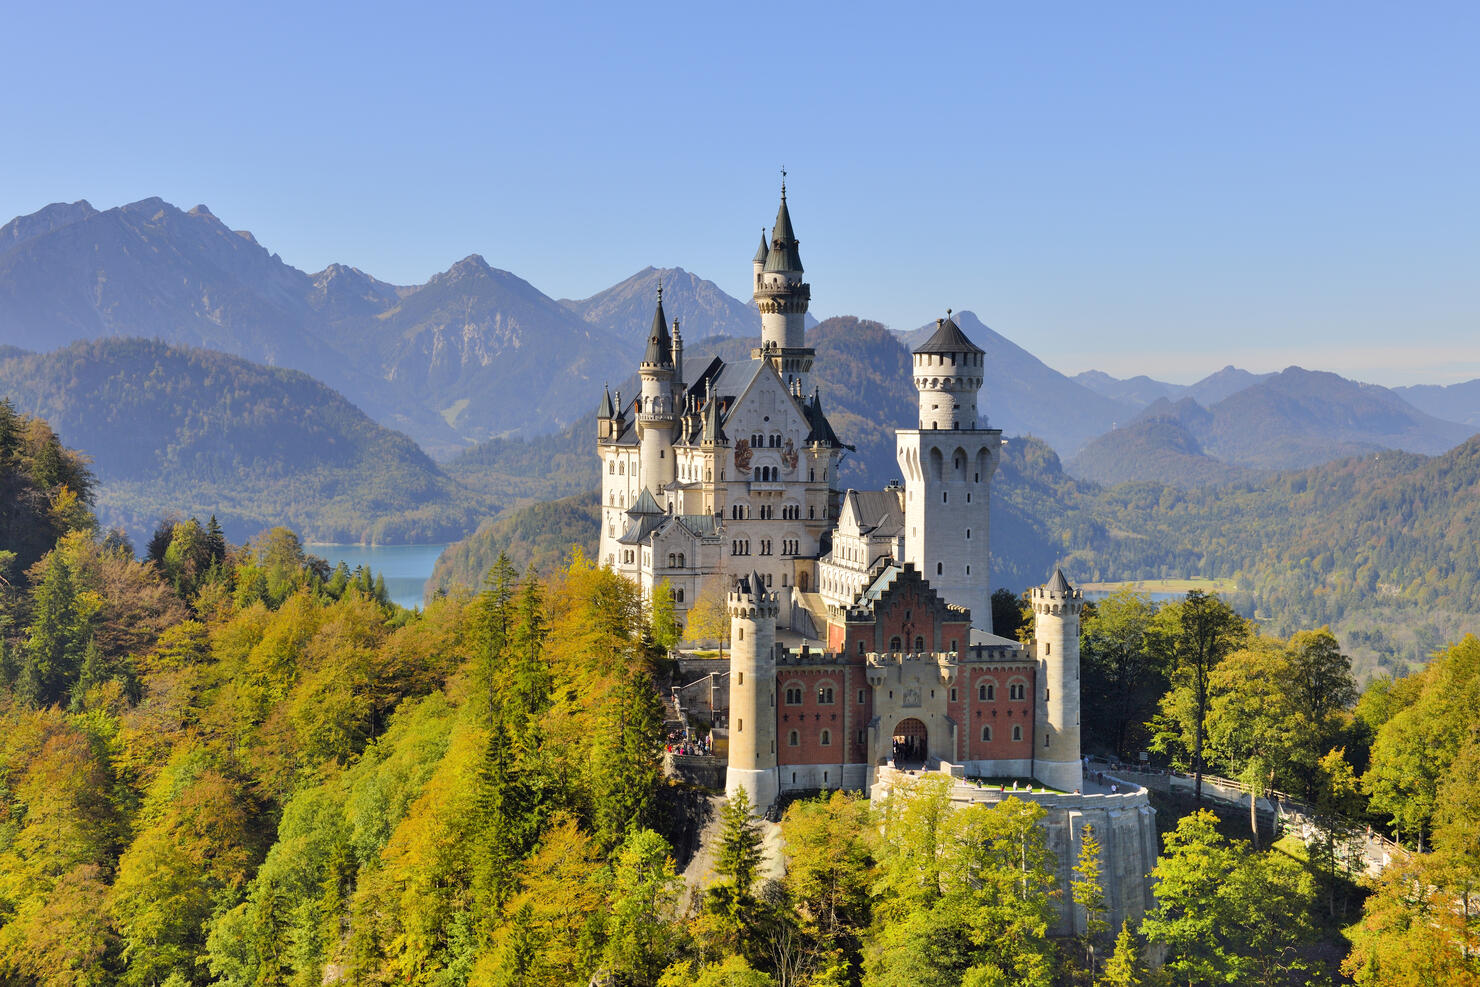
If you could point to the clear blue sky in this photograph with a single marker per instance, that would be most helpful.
(1160, 188)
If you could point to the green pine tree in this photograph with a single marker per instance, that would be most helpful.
(1125, 967)
(54, 647)
(93, 674)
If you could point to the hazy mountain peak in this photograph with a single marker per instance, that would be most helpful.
(202, 210)
(43, 221)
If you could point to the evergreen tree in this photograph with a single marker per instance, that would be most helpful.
(54, 647)
(1125, 967)
(627, 758)
(527, 692)
(94, 673)
(1087, 888)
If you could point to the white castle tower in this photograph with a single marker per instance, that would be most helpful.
(1056, 610)
(752, 766)
(783, 297)
(656, 408)
(948, 464)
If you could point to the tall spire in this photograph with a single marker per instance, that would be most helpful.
(660, 344)
(783, 257)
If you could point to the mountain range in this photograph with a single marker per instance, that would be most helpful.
(182, 431)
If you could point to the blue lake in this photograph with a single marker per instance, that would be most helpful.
(406, 568)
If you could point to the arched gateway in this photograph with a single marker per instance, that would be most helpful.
(910, 742)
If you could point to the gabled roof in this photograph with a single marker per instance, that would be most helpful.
(948, 338)
(874, 511)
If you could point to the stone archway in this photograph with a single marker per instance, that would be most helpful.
(910, 743)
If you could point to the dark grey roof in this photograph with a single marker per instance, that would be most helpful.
(640, 529)
(712, 430)
(645, 504)
(876, 511)
(607, 409)
(760, 255)
(948, 338)
(1058, 584)
(784, 257)
(702, 525)
(660, 344)
(821, 430)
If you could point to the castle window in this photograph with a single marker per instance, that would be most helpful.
(1015, 691)
(826, 739)
(945, 496)
(968, 498)
(862, 736)
(968, 534)
(860, 651)
(968, 570)
(987, 734)
(611, 467)
(793, 695)
(824, 695)
(976, 478)
(894, 644)
(740, 634)
(679, 596)
(1045, 694)
(740, 726)
(940, 568)
(680, 560)
(811, 512)
(662, 453)
(860, 695)
(1017, 732)
(621, 469)
(986, 692)
(953, 645)
(739, 678)
(1045, 740)
(919, 643)
(953, 694)
(793, 739)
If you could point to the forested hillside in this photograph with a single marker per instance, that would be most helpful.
(185, 431)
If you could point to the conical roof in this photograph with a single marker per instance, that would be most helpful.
(948, 338)
(712, 430)
(760, 255)
(1058, 584)
(783, 257)
(607, 409)
(660, 344)
(646, 503)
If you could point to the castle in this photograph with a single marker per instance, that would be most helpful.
(884, 595)
(861, 639)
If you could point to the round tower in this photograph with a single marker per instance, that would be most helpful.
(782, 296)
(948, 375)
(752, 766)
(655, 409)
(948, 464)
(1056, 610)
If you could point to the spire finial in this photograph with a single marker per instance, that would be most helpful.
(948, 313)
(660, 287)
(783, 181)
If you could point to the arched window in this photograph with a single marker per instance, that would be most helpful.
(793, 695)
(987, 734)
(894, 644)
(826, 739)
(940, 568)
(919, 644)
(621, 469)
(680, 560)
(679, 596)
(793, 739)
(1016, 690)
(860, 647)
(825, 695)
(1017, 732)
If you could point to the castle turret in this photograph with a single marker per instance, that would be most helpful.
(606, 417)
(948, 464)
(782, 297)
(1056, 610)
(655, 410)
(680, 398)
(753, 612)
(759, 262)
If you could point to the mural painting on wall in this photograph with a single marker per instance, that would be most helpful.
(742, 455)
(789, 456)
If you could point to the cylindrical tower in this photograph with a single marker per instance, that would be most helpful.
(655, 406)
(752, 766)
(948, 464)
(948, 375)
(1056, 610)
(782, 297)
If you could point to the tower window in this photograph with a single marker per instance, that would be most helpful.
(987, 734)
(793, 739)
(1045, 740)
(1017, 732)
(953, 694)
(1047, 648)
(945, 496)
(826, 740)
(739, 678)
(940, 568)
